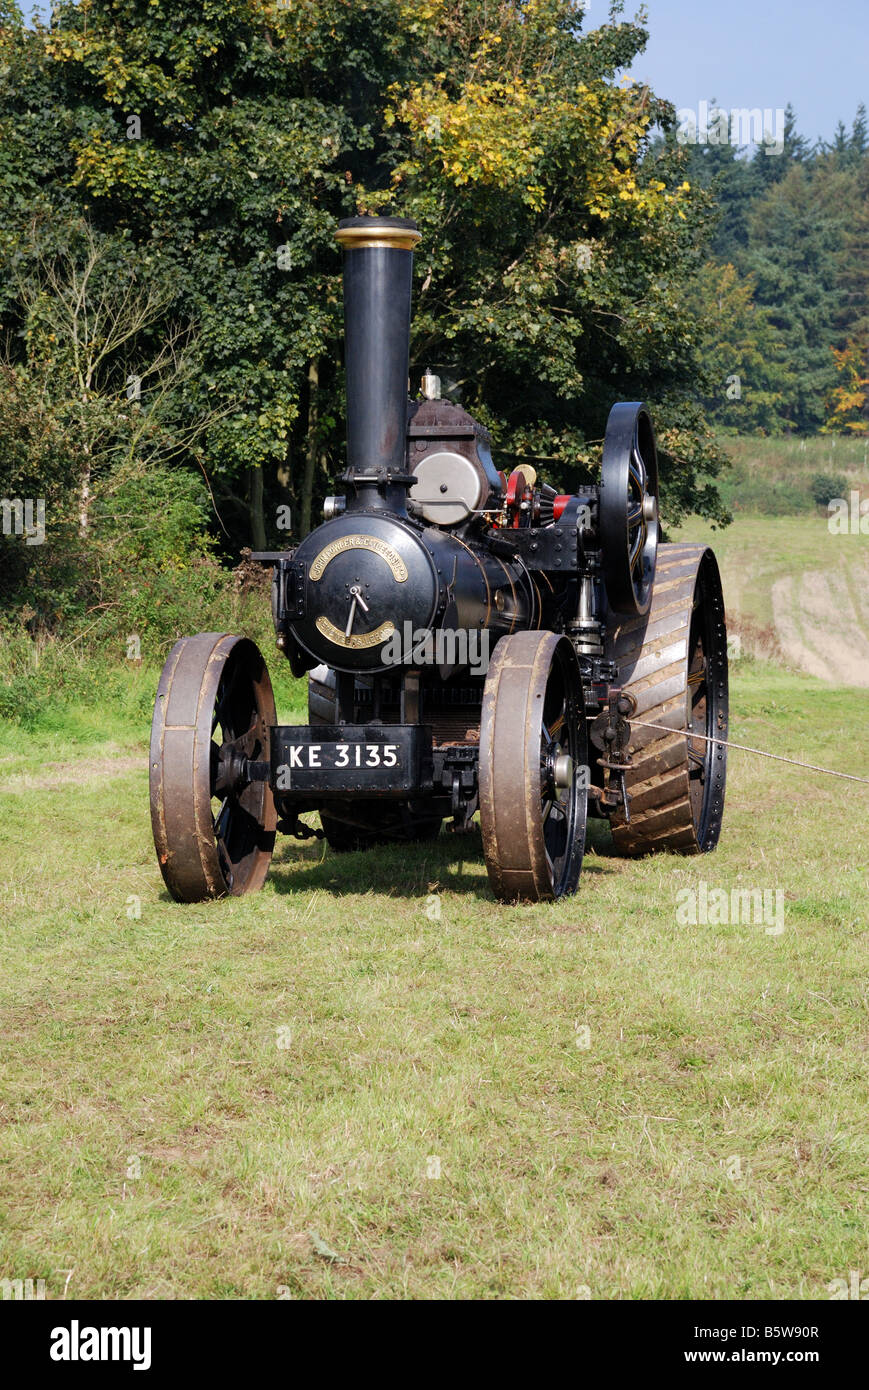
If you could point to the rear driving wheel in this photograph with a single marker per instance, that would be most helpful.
(674, 663)
(214, 829)
(532, 756)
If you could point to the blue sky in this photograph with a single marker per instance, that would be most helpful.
(753, 53)
(762, 53)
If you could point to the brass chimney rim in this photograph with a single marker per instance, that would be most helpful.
(398, 238)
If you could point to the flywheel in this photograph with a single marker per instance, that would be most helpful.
(629, 508)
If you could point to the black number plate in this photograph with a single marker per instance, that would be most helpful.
(346, 758)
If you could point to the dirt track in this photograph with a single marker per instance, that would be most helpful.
(795, 592)
(821, 622)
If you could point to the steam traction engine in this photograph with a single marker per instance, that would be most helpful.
(429, 562)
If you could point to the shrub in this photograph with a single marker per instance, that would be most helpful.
(826, 486)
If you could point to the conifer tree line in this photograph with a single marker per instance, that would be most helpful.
(785, 290)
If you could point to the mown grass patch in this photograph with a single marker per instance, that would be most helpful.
(794, 590)
(369, 1080)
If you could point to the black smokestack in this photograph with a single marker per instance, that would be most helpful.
(378, 268)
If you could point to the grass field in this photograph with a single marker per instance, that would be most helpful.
(370, 1081)
(795, 591)
(774, 475)
(792, 587)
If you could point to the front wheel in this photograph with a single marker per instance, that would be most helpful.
(214, 832)
(533, 754)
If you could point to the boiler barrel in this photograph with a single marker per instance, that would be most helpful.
(401, 580)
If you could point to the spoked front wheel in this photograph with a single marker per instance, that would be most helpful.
(533, 753)
(214, 830)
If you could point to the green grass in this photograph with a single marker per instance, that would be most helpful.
(773, 476)
(252, 1098)
(709, 1142)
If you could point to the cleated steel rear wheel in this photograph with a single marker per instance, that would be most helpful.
(674, 663)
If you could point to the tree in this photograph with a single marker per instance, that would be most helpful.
(852, 274)
(196, 142)
(742, 355)
(110, 365)
(225, 142)
(849, 399)
(770, 167)
(558, 242)
(796, 235)
(93, 412)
